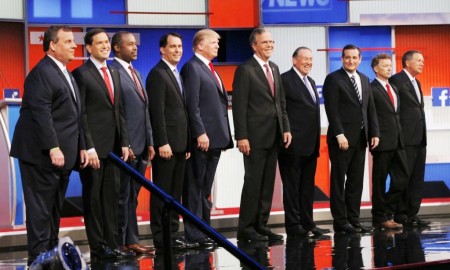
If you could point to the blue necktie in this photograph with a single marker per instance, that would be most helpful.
(177, 76)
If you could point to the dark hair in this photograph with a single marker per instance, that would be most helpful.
(376, 59)
(350, 47)
(408, 56)
(163, 40)
(117, 39)
(256, 32)
(91, 33)
(51, 34)
(298, 49)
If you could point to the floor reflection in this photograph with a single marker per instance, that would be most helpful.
(379, 249)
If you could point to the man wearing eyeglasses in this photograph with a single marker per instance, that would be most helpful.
(261, 128)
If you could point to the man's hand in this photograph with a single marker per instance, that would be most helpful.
(57, 157)
(287, 139)
(203, 142)
(84, 159)
(131, 155)
(244, 146)
(165, 151)
(188, 155)
(342, 142)
(94, 162)
(125, 153)
(374, 142)
(151, 153)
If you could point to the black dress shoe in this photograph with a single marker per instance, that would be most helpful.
(319, 231)
(415, 221)
(273, 236)
(248, 237)
(346, 228)
(124, 254)
(362, 228)
(103, 252)
(206, 242)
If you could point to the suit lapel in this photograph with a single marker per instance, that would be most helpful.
(207, 70)
(262, 76)
(383, 91)
(303, 89)
(411, 87)
(169, 72)
(350, 87)
(99, 79)
(125, 76)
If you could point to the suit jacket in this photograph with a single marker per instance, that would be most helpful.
(344, 111)
(49, 117)
(167, 109)
(304, 115)
(412, 114)
(137, 117)
(103, 122)
(388, 118)
(207, 104)
(257, 115)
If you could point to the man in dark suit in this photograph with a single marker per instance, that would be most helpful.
(48, 138)
(207, 103)
(412, 117)
(103, 123)
(352, 123)
(389, 158)
(170, 133)
(298, 162)
(261, 126)
(135, 106)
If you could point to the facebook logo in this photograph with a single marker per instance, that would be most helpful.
(440, 96)
(319, 91)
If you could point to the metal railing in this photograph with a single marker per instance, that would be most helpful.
(172, 205)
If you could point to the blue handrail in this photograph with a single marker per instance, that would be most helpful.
(187, 215)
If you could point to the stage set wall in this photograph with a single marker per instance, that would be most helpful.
(324, 26)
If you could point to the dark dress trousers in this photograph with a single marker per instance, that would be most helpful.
(389, 158)
(207, 105)
(139, 131)
(298, 162)
(104, 127)
(262, 119)
(358, 122)
(170, 126)
(412, 117)
(49, 118)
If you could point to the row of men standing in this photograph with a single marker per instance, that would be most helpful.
(105, 108)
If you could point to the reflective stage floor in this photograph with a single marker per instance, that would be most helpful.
(407, 249)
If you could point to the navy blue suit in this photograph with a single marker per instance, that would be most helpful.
(207, 107)
(139, 129)
(49, 118)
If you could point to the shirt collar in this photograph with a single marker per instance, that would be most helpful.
(97, 64)
(58, 63)
(203, 59)
(299, 74)
(409, 75)
(125, 64)
(260, 61)
(172, 67)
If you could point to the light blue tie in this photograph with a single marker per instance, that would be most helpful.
(69, 80)
(177, 76)
(311, 91)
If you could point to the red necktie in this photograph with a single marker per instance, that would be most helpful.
(108, 84)
(270, 79)
(391, 96)
(211, 67)
(136, 81)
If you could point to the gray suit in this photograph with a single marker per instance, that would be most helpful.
(140, 137)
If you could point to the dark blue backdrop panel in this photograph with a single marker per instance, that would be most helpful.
(148, 49)
(303, 11)
(363, 37)
(75, 11)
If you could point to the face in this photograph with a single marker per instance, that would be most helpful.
(351, 60)
(127, 49)
(64, 49)
(303, 61)
(263, 46)
(415, 65)
(383, 69)
(173, 51)
(100, 47)
(209, 47)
